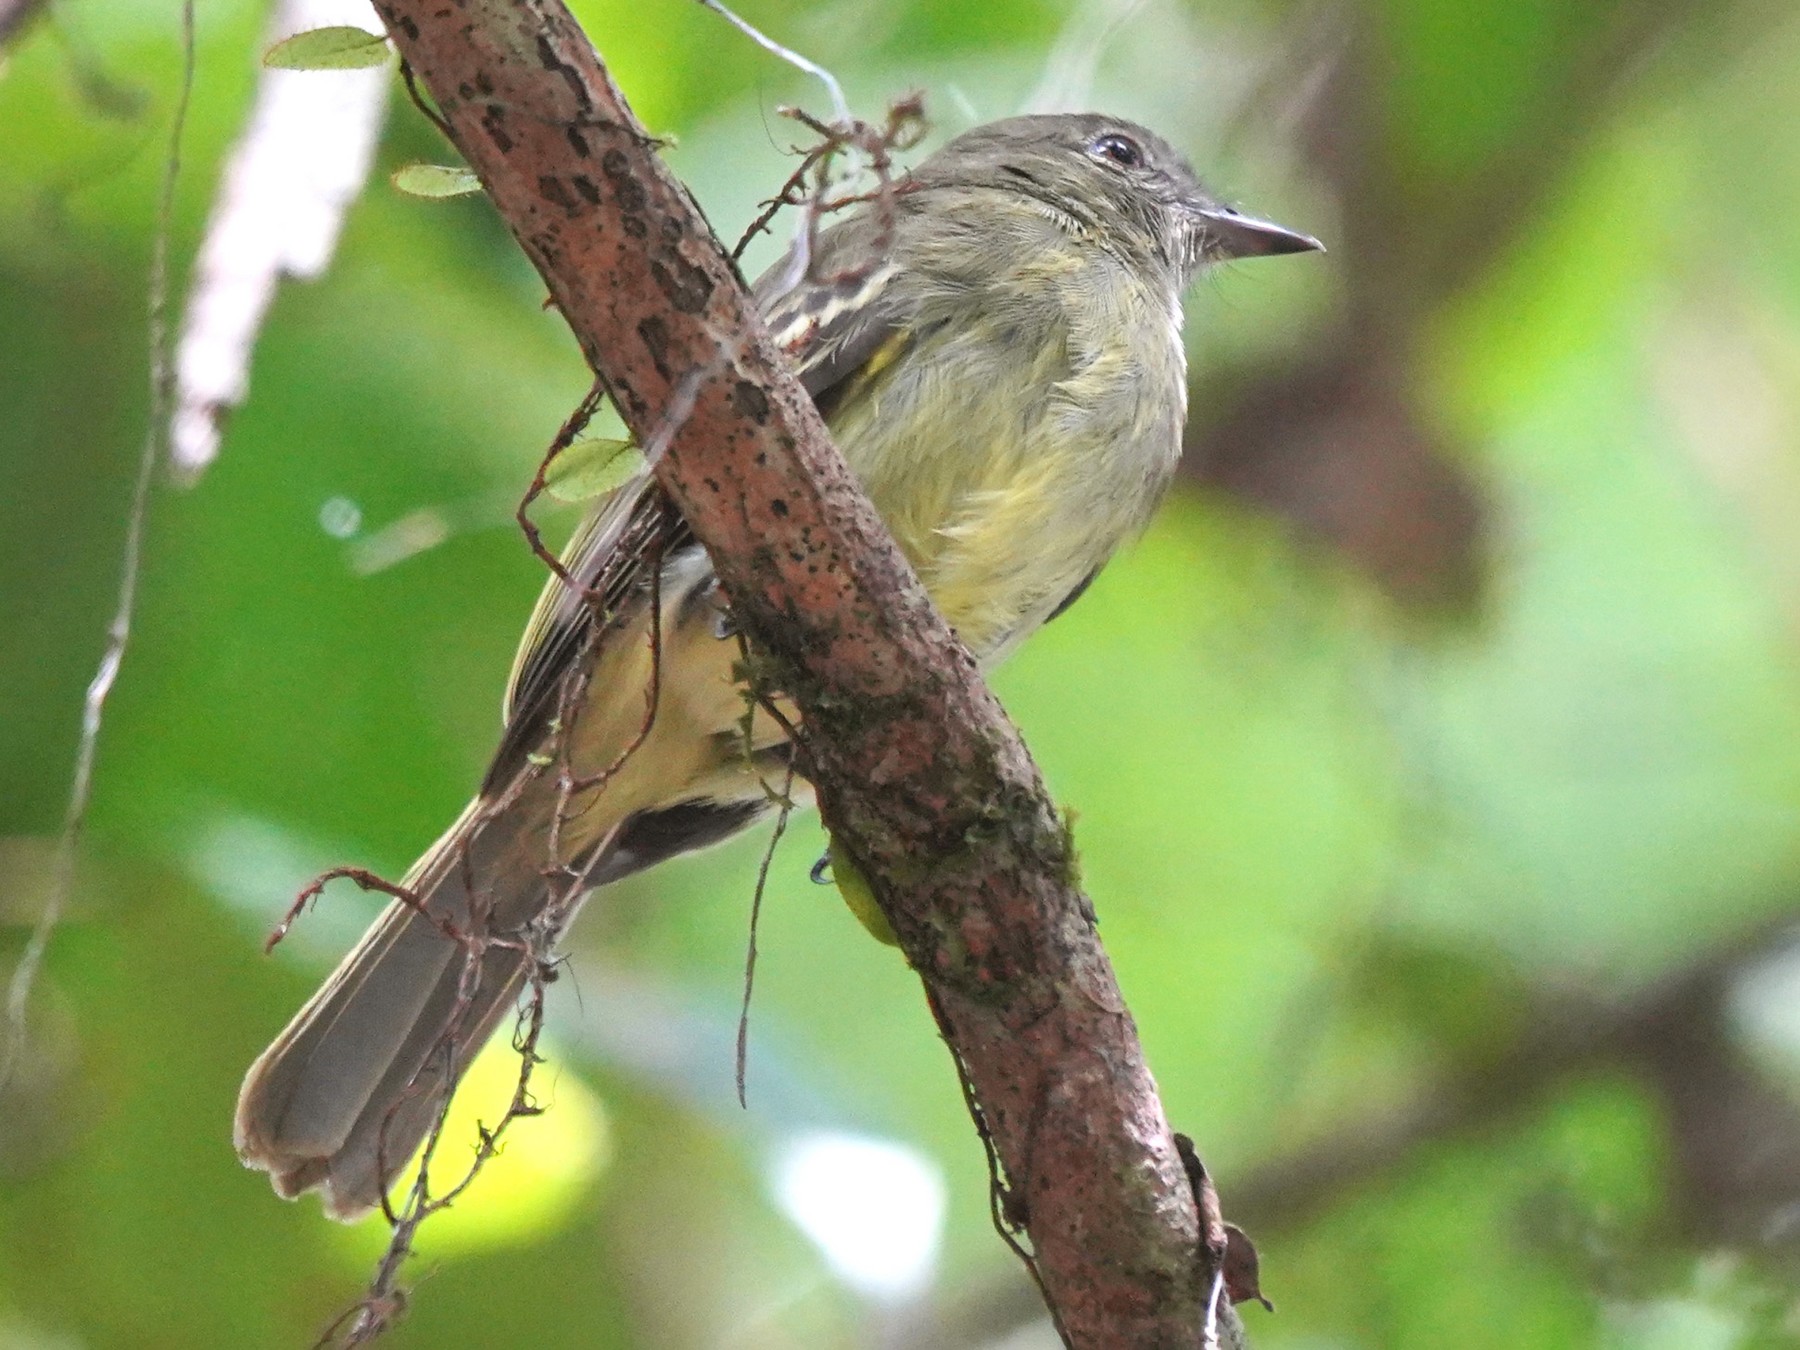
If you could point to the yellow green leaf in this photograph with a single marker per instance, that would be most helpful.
(591, 467)
(436, 180)
(341, 47)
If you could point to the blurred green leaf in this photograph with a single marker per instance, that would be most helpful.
(592, 467)
(335, 48)
(435, 180)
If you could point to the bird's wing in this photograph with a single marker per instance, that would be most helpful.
(839, 331)
(609, 557)
(840, 327)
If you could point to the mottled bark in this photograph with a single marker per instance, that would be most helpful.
(918, 771)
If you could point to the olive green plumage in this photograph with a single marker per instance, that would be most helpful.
(998, 354)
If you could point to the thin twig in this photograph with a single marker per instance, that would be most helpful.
(423, 104)
(596, 783)
(859, 141)
(118, 632)
(368, 881)
(565, 437)
(785, 810)
(792, 193)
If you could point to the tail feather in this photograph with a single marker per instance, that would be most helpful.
(346, 1094)
(343, 1098)
(402, 1107)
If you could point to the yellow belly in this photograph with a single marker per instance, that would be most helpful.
(1005, 485)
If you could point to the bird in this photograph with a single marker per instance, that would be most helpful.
(996, 347)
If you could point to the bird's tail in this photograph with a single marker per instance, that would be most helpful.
(343, 1098)
(346, 1094)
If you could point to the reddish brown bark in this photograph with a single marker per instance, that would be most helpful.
(917, 769)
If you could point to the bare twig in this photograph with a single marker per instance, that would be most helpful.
(861, 141)
(784, 809)
(368, 881)
(418, 99)
(118, 632)
(565, 437)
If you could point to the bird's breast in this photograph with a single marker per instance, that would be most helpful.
(1012, 450)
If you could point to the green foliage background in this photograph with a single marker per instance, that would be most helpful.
(1358, 861)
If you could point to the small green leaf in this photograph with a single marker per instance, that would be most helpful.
(436, 180)
(591, 467)
(337, 48)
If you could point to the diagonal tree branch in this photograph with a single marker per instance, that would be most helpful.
(918, 772)
(15, 14)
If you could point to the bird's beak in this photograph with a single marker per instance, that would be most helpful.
(1225, 233)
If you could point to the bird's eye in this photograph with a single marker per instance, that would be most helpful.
(1121, 150)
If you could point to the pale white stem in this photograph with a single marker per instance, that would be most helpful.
(302, 159)
(839, 105)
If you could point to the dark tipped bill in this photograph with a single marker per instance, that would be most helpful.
(1229, 234)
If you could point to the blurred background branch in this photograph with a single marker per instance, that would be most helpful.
(15, 14)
